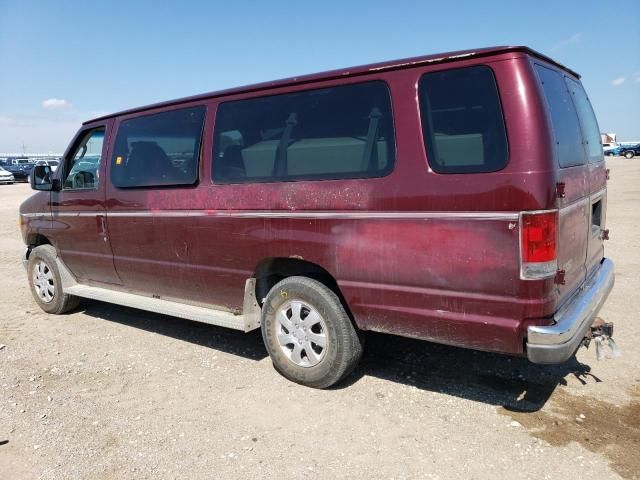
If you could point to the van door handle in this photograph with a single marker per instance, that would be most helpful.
(101, 225)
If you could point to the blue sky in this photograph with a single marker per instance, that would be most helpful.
(65, 62)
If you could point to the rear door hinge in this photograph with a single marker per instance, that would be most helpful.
(560, 190)
(560, 277)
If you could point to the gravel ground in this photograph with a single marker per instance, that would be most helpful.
(111, 392)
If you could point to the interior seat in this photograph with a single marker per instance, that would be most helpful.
(148, 164)
(231, 164)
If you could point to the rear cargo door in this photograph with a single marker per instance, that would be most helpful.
(596, 180)
(572, 179)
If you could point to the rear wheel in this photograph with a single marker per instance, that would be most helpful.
(308, 334)
(628, 155)
(45, 282)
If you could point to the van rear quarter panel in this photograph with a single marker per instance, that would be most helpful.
(412, 265)
(580, 248)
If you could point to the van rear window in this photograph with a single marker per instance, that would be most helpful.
(564, 119)
(330, 133)
(161, 149)
(462, 121)
(590, 129)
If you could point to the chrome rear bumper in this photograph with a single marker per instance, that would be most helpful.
(558, 342)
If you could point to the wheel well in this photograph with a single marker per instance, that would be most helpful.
(35, 240)
(271, 270)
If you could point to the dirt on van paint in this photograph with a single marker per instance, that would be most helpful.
(599, 426)
(109, 392)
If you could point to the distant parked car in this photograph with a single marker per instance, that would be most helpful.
(630, 151)
(18, 161)
(6, 177)
(611, 149)
(20, 171)
(52, 163)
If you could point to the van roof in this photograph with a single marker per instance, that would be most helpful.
(348, 72)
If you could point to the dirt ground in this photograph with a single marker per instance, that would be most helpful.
(112, 392)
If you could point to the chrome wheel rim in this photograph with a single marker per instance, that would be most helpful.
(302, 333)
(43, 281)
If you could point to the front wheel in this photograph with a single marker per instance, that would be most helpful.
(45, 282)
(308, 334)
(628, 155)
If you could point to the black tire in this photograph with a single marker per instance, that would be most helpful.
(628, 155)
(343, 341)
(60, 302)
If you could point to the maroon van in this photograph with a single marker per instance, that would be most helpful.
(458, 198)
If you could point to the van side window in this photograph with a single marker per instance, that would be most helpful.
(462, 121)
(564, 120)
(590, 129)
(330, 133)
(160, 149)
(81, 170)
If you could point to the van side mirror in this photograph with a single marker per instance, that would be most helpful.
(42, 178)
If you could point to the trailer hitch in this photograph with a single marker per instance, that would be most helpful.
(601, 333)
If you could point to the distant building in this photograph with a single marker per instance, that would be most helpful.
(608, 137)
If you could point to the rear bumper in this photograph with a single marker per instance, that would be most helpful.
(558, 342)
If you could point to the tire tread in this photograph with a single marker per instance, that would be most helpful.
(62, 302)
(349, 340)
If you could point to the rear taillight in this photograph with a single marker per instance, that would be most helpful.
(538, 244)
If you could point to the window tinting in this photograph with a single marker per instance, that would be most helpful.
(158, 150)
(462, 121)
(330, 133)
(590, 129)
(82, 169)
(564, 120)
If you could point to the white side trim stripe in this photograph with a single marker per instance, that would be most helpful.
(293, 214)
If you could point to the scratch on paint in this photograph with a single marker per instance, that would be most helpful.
(418, 62)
